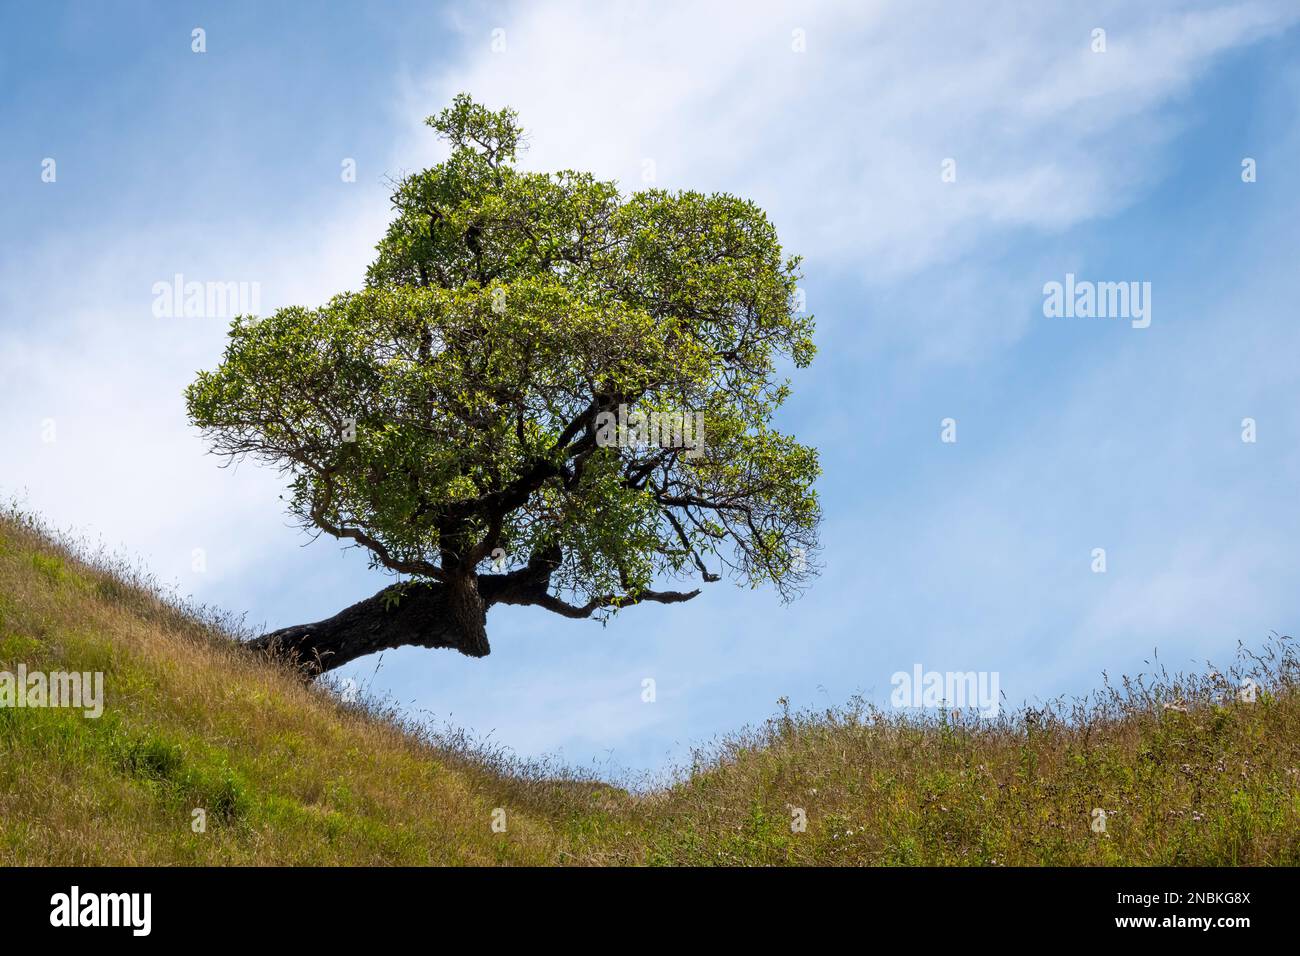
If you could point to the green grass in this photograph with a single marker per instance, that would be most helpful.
(288, 774)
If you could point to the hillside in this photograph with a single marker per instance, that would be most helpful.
(289, 774)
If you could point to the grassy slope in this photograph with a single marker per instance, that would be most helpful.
(288, 774)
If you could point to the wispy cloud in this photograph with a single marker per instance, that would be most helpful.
(843, 142)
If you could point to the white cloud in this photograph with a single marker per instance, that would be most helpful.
(843, 143)
(90, 355)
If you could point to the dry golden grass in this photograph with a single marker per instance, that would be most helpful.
(288, 774)
(284, 773)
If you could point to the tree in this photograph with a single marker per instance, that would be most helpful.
(547, 394)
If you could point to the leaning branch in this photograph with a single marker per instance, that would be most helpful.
(554, 604)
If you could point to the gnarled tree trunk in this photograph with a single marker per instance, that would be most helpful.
(420, 614)
(430, 614)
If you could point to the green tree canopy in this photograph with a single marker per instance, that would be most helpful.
(548, 393)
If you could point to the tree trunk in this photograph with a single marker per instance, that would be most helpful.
(423, 614)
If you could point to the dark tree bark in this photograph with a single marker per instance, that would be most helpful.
(416, 613)
(420, 614)
(427, 614)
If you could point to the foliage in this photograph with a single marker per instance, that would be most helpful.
(452, 407)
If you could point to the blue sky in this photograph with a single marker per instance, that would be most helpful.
(1072, 434)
